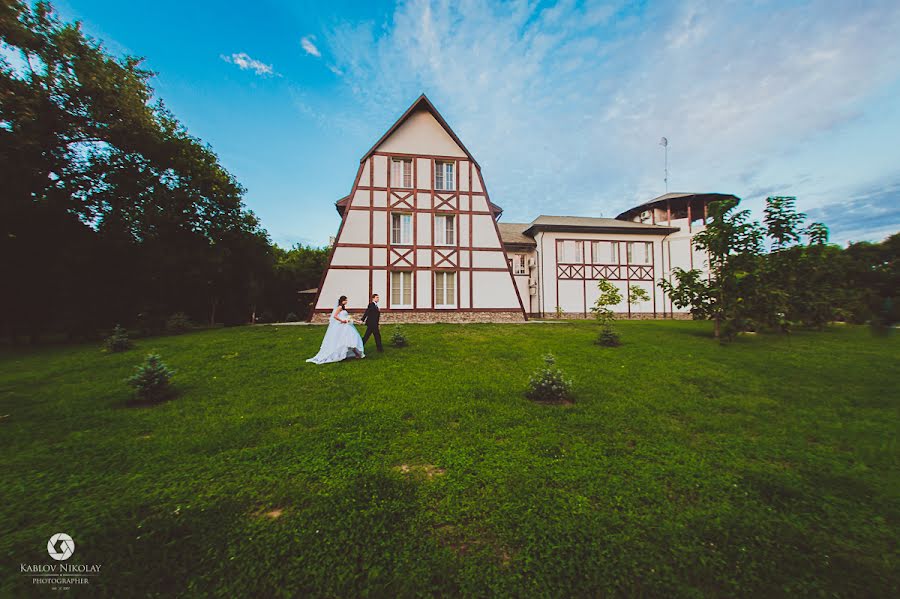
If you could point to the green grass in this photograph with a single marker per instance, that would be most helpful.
(684, 468)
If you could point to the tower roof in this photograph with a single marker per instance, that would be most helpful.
(675, 196)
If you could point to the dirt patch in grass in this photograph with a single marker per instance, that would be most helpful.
(427, 471)
(270, 513)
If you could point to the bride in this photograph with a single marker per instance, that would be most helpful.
(341, 340)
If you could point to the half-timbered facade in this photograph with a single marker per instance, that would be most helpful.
(419, 229)
(556, 261)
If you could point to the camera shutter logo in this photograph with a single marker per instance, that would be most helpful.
(60, 546)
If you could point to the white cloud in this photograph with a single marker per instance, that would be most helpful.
(243, 60)
(309, 46)
(564, 106)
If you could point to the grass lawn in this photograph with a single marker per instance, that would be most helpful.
(684, 468)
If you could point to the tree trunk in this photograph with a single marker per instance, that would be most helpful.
(212, 311)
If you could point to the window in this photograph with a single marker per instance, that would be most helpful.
(569, 252)
(444, 230)
(518, 264)
(401, 229)
(401, 172)
(443, 176)
(444, 289)
(639, 252)
(401, 289)
(605, 252)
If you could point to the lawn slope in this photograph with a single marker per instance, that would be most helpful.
(684, 468)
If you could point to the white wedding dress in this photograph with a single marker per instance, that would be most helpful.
(341, 339)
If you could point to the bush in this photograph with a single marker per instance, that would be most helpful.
(608, 338)
(152, 379)
(291, 317)
(266, 317)
(398, 339)
(548, 384)
(118, 341)
(178, 323)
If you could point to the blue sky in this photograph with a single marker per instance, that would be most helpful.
(563, 104)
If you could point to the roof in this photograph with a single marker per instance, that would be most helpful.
(341, 204)
(422, 102)
(594, 224)
(676, 196)
(514, 234)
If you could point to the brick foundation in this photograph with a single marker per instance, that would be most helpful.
(427, 317)
(619, 316)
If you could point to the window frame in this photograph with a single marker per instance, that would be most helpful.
(648, 253)
(442, 228)
(614, 245)
(402, 183)
(409, 229)
(442, 168)
(444, 275)
(516, 270)
(409, 290)
(578, 257)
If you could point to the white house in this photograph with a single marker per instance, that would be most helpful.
(419, 229)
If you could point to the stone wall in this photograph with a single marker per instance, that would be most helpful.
(619, 316)
(439, 316)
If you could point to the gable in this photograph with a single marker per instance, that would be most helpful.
(420, 133)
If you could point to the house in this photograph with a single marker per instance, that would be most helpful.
(419, 228)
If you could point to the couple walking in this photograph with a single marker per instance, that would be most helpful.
(342, 340)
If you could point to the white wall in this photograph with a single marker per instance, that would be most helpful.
(577, 297)
(494, 289)
(350, 282)
(421, 134)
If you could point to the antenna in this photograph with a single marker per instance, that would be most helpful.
(665, 144)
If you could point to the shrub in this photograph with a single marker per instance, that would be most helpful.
(398, 339)
(152, 379)
(178, 323)
(548, 384)
(608, 338)
(118, 341)
(559, 311)
(291, 317)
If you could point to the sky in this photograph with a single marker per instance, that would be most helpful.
(562, 103)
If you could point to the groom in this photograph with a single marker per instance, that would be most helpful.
(371, 317)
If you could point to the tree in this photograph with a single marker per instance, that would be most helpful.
(782, 220)
(733, 242)
(109, 207)
(602, 308)
(791, 285)
(637, 294)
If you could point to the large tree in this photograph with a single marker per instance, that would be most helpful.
(109, 207)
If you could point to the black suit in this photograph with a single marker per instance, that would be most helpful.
(371, 317)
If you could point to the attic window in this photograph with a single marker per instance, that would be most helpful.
(443, 176)
(401, 172)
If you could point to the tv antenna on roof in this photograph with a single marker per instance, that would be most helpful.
(665, 144)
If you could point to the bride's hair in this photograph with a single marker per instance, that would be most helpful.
(341, 299)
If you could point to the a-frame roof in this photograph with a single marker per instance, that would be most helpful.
(422, 102)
